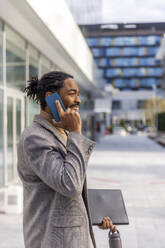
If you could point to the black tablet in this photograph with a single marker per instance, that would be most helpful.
(107, 202)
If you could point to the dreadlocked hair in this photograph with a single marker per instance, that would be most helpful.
(51, 81)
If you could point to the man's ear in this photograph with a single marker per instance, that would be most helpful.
(48, 93)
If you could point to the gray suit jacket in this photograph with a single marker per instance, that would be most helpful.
(53, 173)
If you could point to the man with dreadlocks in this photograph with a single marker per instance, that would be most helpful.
(52, 163)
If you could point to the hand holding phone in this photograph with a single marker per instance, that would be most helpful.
(64, 118)
(51, 102)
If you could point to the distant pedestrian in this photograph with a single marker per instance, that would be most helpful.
(52, 163)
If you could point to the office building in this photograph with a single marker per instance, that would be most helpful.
(126, 57)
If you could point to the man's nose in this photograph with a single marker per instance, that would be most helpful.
(78, 100)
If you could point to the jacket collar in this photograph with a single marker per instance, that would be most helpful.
(46, 124)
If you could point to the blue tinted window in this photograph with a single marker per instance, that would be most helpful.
(154, 71)
(147, 61)
(133, 83)
(98, 52)
(129, 51)
(122, 41)
(118, 62)
(128, 72)
(112, 51)
(118, 82)
(113, 72)
(141, 72)
(134, 72)
(153, 40)
(97, 61)
(106, 41)
(104, 62)
(158, 82)
(141, 51)
(148, 82)
(149, 40)
(92, 41)
(110, 62)
(152, 50)
(125, 62)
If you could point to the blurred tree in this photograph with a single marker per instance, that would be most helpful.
(150, 110)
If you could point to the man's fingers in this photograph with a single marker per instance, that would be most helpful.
(60, 109)
(107, 224)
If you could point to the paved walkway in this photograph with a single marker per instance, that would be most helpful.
(134, 164)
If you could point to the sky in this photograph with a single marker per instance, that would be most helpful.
(133, 11)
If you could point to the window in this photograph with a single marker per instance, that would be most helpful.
(125, 61)
(106, 41)
(141, 72)
(33, 108)
(92, 42)
(113, 72)
(134, 51)
(119, 83)
(116, 104)
(104, 62)
(98, 52)
(129, 72)
(148, 82)
(141, 51)
(141, 104)
(1, 139)
(112, 51)
(45, 65)
(33, 62)
(1, 68)
(152, 50)
(122, 41)
(146, 61)
(130, 51)
(15, 60)
(149, 40)
(132, 83)
(154, 71)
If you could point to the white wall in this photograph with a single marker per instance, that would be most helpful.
(56, 15)
(129, 104)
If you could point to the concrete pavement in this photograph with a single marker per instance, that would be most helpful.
(134, 164)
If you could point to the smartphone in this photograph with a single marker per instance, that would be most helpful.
(51, 102)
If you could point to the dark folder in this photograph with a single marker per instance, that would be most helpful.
(107, 202)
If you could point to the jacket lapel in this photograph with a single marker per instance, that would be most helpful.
(46, 124)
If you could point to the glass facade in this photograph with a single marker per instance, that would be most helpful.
(15, 60)
(112, 52)
(1, 139)
(125, 62)
(10, 157)
(18, 119)
(125, 41)
(92, 42)
(98, 52)
(45, 65)
(22, 62)
(106, 41)
(1, 77)
(128, 61)
(33, 62)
